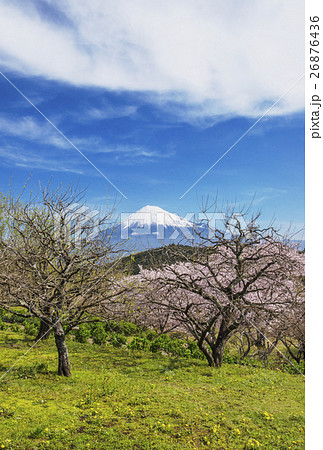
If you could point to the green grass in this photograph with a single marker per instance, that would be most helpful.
(118, 399)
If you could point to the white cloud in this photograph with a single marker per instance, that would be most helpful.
(266, 191)
(213, 57)
(264, 194)
(134, 151)
(29, 159)
(109, 112)
(30, 129)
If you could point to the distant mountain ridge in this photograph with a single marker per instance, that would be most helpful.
(152, 227)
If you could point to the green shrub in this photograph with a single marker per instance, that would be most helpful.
(15, 327)
(16, 319)
(227, 358)
(130, 329)
(98, 334)
(150, 334)
(29, 328)
(173, 347)
(126, 328)
(293, 368)
(139, 343)
(117, 340)
(194, 350)
(83, 333)
(178, 347)
(3, 325)
(13, 318)
(7, 317)
(158, 344)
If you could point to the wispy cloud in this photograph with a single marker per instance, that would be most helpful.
(266, 190)
(27, 158)
(109, 112)
(212, 57)
(132, 155)
(263, 194)
(135, 151)
(30, 129)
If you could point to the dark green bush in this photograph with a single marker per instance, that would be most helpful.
(294, 368)
(12, 318)
(98, 334)
(15, 327)
(29, 328)
(178, 347)
(194, 350)
(83, 333)
(8, 317)
(150, 334)
(139, 343)
(125, 328)
(227, 358)
(117, 340)
(173, 347)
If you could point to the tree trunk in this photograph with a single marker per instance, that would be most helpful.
(245, 353)
(63, 358)
(260, 343)
(214, 359)
(206, 353)
(218, 347)
(44, 331)
(214, 350)
(217, 352)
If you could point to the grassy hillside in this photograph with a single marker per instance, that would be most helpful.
(123, 399)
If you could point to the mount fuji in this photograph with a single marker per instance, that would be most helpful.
(153, 216)
(152, 227)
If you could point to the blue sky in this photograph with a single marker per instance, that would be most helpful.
(153, 95)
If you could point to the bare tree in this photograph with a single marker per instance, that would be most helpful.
(238, 275)
(55, 264)
(290, 330)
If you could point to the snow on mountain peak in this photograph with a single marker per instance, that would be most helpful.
(151, 209)
(154, 215)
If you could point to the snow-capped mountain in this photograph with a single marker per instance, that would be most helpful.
(151, 227)
(149, 216)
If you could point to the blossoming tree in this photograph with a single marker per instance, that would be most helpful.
(247, 276)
